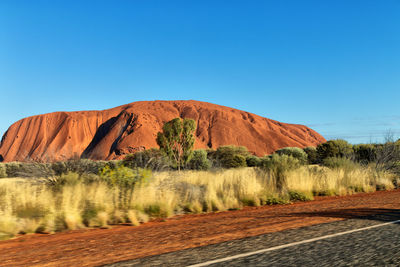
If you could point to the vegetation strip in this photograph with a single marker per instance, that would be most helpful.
(172, 180)
(290, 244)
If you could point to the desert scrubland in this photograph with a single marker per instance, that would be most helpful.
(121, 194)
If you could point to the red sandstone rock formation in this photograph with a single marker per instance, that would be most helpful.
(112, 133)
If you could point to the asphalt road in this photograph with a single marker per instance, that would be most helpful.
(378, 246)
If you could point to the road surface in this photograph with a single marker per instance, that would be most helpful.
(366, 241)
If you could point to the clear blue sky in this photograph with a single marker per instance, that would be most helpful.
(332, 65)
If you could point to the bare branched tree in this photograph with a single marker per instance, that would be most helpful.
(388, 154)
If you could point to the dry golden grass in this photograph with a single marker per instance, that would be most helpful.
(27, 207)
(324, 181)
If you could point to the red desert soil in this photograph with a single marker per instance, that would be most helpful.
(112, 133)
(101, 246)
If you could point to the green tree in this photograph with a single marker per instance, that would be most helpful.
(177, 140)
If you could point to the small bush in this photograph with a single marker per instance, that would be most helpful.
(278, 166)
(36, 169)
(67, 179)
(199, 161)
(388, 157)
(340, 163)
(125, 180)
(31, 169)
(396, 182)
(124, 177)
(159, 210)
(270, 199)
(300, 196)
(279, 163)
(94, 215)
(253, 161)
(30, 210)
(295, 152)
(250, 201)
(152, 159)
(59, 168)
(326, 192)
(312, 155)
(229, 157)
(89, 213)
(3, 170)
(236, 161)
(365, 153)
(193, 207)
(80, 166)
(335, 148)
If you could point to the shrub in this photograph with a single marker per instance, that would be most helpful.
(71, 179)
(340, 163)
(124, 177)
(273, 199)
(159, 210)
(278, 166)
(80, 166)
(32, 169)
(281, 162)
(300, 196)
(312, 155)
(125, 180)
(229, 157)
(30, 210)
(149, 159)
(253, 161)
(365, 153)
(388, 157)
(334, 148)
(199, 161)
(94, 215)
(295, 152)
(235, 161)
(3, 170)
(65, 179)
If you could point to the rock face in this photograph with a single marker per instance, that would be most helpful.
(113, 133)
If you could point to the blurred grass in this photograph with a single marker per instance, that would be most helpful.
(72, 200)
